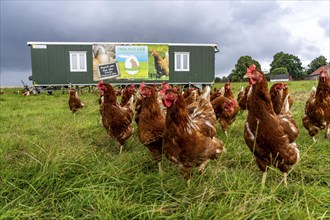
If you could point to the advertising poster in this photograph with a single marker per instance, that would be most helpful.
(130, 62)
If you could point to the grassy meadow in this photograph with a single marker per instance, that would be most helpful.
(56, 165)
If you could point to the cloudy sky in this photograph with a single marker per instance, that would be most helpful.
(259, 29)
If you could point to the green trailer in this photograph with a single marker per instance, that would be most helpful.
(56, 64)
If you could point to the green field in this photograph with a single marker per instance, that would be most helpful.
(56, 165)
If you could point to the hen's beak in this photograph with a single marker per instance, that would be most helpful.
(247, 75)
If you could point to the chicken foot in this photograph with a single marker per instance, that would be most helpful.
(202, 167)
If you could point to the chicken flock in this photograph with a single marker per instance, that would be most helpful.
(182, 123)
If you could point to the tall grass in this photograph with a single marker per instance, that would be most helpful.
(56, 165)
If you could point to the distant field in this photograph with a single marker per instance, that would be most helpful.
(54, 165)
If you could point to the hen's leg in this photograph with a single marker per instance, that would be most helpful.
(285, 179)
(314, 139)
(156, 154)
(120, 148)
(201, 168)
(263, 166)
(100, 121)
(160, 167)
(185, 171)
(120, 145)
(327, 132)
(263, 181)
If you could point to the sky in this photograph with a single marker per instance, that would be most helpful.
(259, 29)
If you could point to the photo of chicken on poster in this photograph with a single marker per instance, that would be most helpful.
(130, 61)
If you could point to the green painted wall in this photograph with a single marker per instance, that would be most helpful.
(202, 64)
(52, 65)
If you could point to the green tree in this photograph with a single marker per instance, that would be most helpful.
(242, 64)
(280, 70)
(224, 79)
(315, 64)
(217, 79)
(290, 62)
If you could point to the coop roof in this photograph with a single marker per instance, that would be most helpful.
(318, 70)
(29, 43)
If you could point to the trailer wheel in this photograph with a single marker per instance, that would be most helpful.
(35, 91)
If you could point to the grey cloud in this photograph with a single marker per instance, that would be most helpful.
(239, 27)
(325, 24)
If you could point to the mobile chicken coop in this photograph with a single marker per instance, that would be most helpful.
(56, 64)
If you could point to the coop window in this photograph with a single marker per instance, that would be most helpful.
(78, 61)
(181, 61)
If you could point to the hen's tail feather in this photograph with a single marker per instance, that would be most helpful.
(286, 106)
(222, 91)
(206, 93)
(250, 91)
(313, 91)
(130, 104)
(327, 132)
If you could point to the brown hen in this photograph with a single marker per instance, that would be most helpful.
(151, 123)
(116, 120)
(243, 96)
(271, 138)
(230, 115)
(317, 108)
(276, 93)
(127, 93)
(74, 101)
(224, 110)
(216, 93)
(189, 136)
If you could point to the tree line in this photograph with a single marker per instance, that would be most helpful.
(283, 63)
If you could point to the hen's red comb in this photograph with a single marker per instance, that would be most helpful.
(141, 86)
(99, 84)
(251, 69)
(323, 73)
